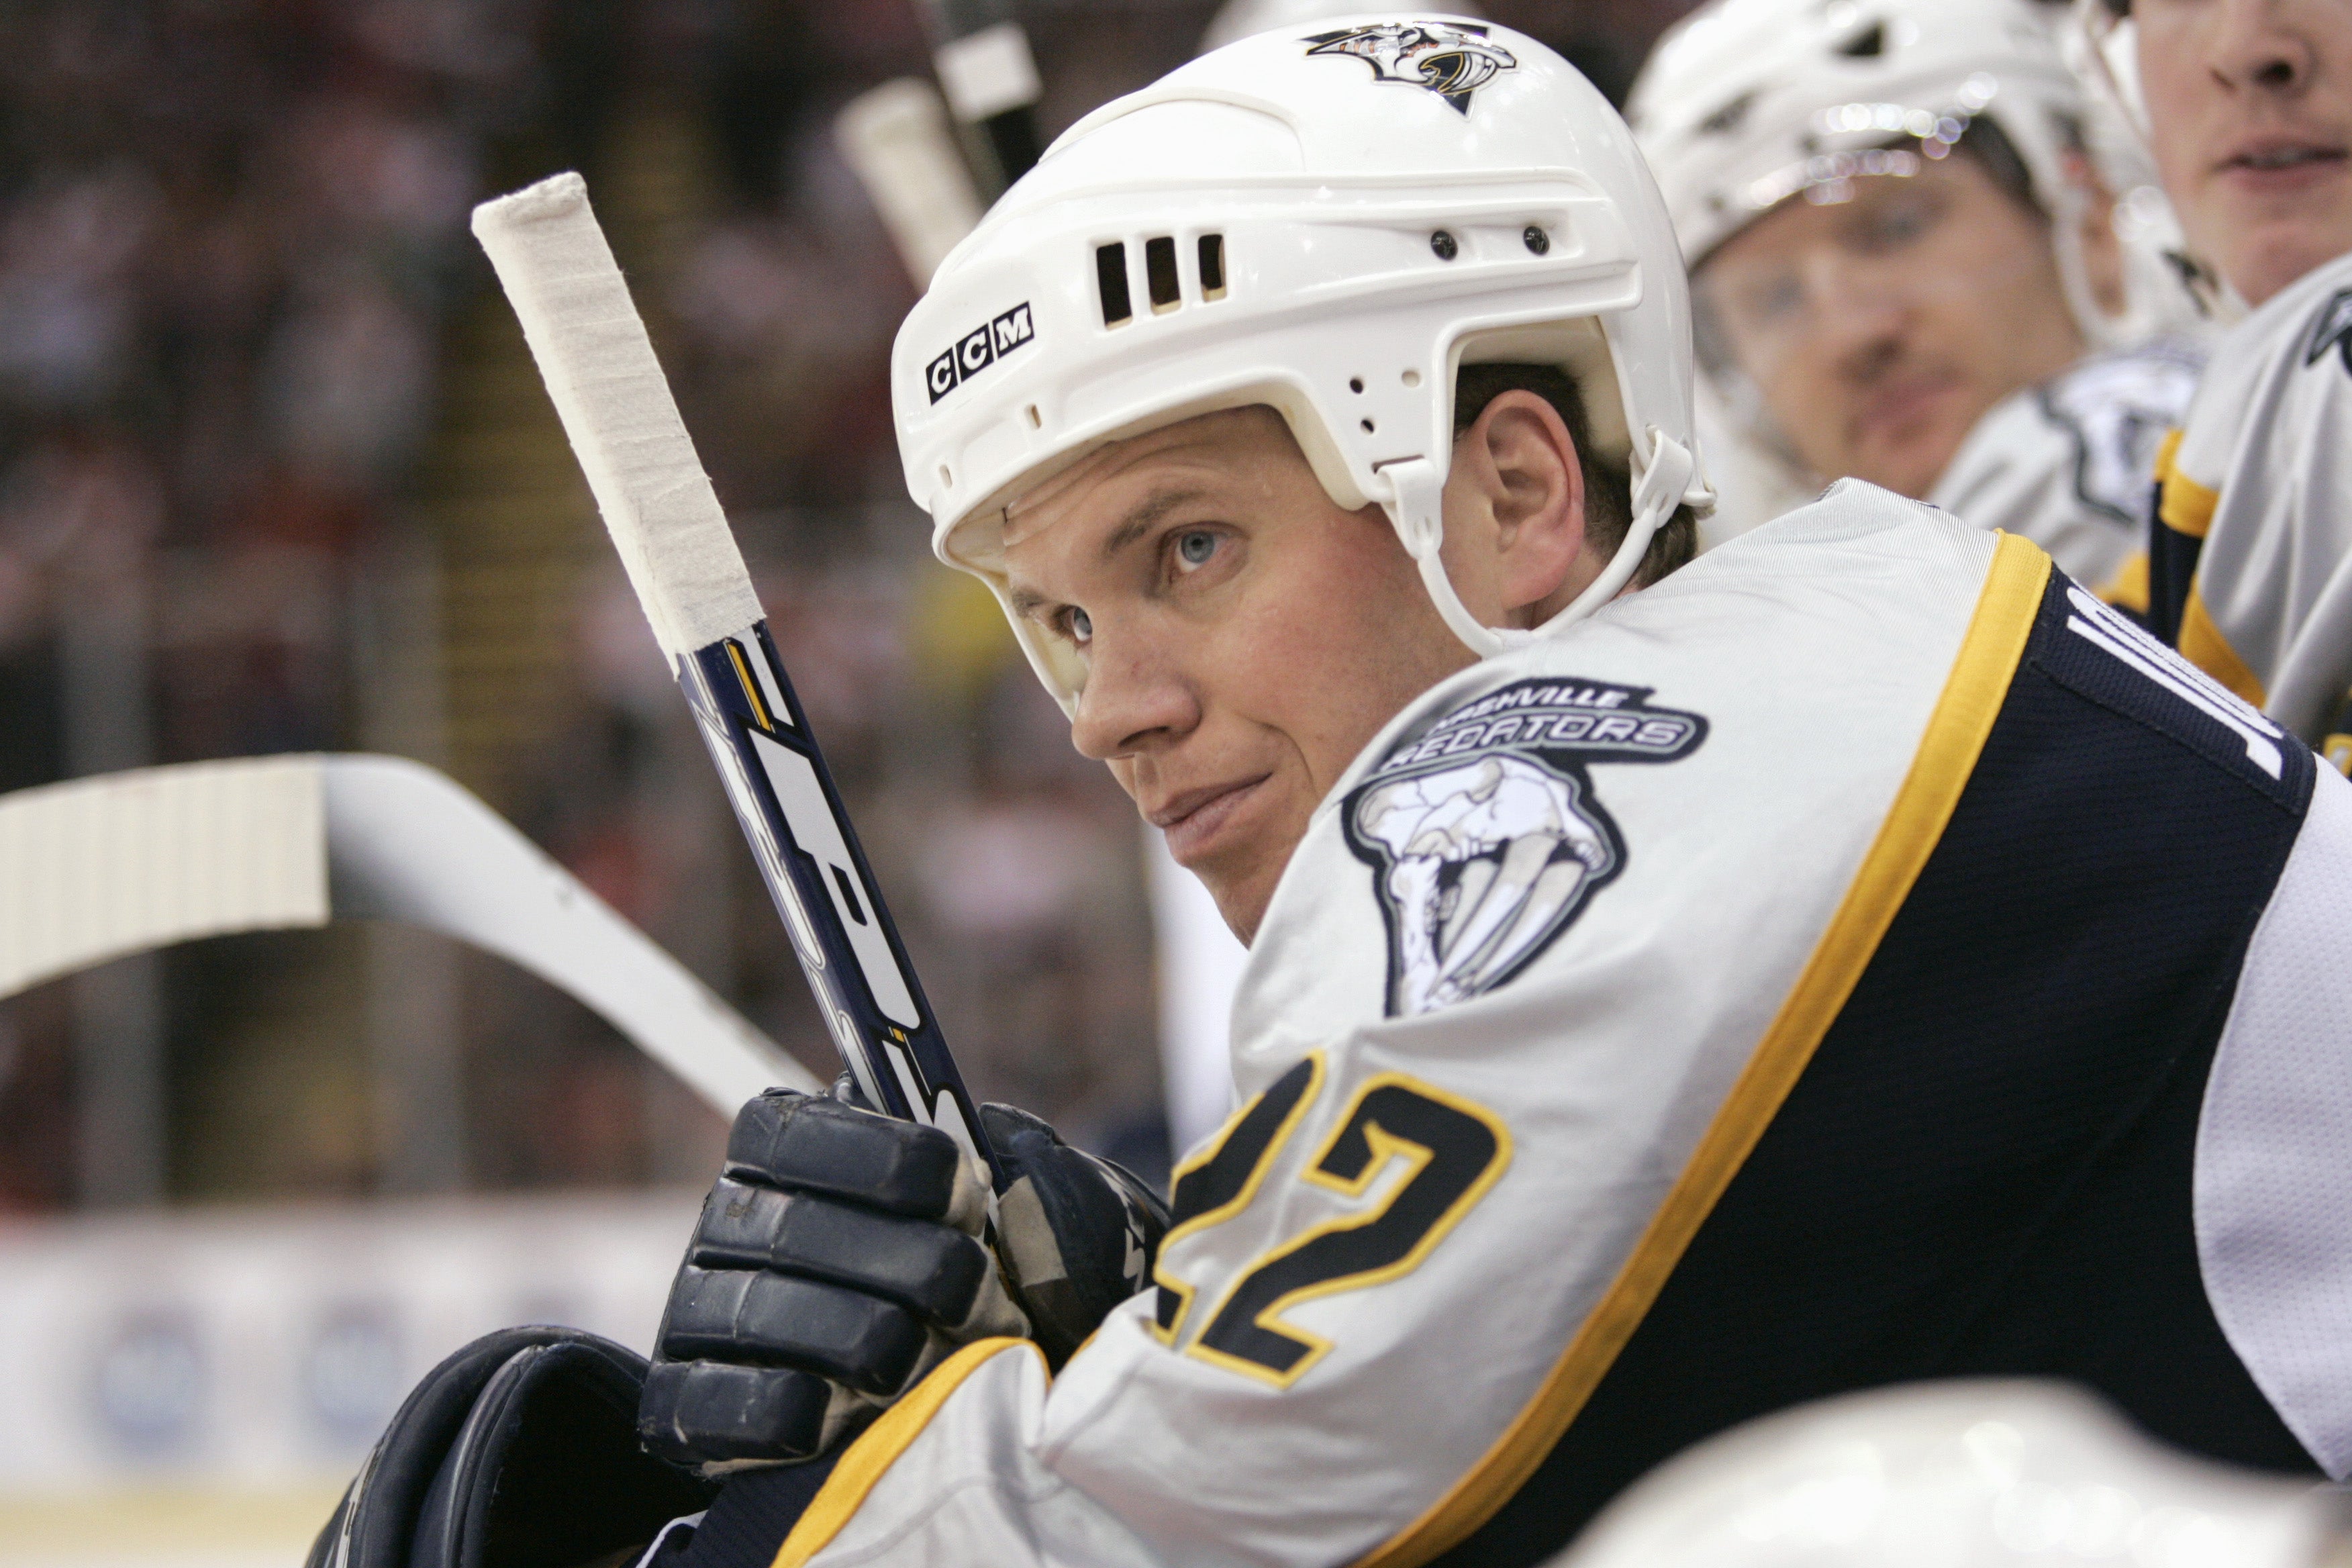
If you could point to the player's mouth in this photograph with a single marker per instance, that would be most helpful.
(1192, 818)
(1898, 409)
(2275, 163)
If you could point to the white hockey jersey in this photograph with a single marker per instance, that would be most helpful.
(2249, 573)
(2066, 463)
(1838, 963)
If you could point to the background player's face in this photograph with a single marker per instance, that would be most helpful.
(1244, 637)
(1880, 328)
(2250, 117)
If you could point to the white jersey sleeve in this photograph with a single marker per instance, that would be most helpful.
(2067, 463)
(2257, 509)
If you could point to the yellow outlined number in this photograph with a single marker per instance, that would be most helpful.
(1219, 1182)
(1454, 1151)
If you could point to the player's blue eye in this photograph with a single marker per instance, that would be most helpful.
(1081, 625)
(1195, 547)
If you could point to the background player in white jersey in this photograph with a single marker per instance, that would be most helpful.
(1902, 254)
(1625, 1052)
(2247, 106)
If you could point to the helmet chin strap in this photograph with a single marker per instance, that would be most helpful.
(1417, 509)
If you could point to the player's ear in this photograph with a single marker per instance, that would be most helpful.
(1519, 468)
(2102, 249)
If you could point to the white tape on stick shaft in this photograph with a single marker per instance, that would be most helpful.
(407, 843)
(102, 868)
(987, 72)
(99, 869)
(608, 389)
(896, 138)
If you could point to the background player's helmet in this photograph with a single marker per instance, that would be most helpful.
(1974, 1473)
(1748, 103)
(1328, 221)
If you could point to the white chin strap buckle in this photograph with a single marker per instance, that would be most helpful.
(1418, 512)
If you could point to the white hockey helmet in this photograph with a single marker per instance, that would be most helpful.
(1747, 103)
(2106, 43)
(1328, 223)
(1970, 1473)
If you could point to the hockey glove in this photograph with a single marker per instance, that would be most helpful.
(1077, 1234)
(839, 1258)
(515, 1449)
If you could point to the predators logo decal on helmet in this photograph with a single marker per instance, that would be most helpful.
(1452, 62)
(1484, 833)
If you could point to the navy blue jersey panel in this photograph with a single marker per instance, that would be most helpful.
(1985, 1170)
(2171, 567)
(746, 1526)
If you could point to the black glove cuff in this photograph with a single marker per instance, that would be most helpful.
(526, 1434)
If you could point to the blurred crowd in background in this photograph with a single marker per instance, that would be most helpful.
(276, 474)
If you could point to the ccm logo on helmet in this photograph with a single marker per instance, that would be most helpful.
(977, 349)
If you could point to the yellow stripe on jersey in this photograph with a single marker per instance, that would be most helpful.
(2203, 645)
(879, 1446)
(2128, 589)
(2183, 505)
(1963, 718)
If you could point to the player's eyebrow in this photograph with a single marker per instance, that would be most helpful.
(1139, 520)
(1141, 517)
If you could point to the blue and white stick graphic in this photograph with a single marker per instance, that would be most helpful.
(657, 503)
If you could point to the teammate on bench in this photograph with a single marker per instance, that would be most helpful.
(2247, 106)
(1905, 268)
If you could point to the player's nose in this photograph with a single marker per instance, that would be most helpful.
(1867, 340)
(1135, 699)
(2257, 45)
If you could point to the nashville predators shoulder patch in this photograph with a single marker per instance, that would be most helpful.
(1484, 833)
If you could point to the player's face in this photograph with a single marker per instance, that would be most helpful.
(1880, 327)
(2250, 117)
(1243, 637)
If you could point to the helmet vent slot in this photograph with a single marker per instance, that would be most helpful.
(1866, 44)
(1159, 274)
(1110, 282)
(1213, 267)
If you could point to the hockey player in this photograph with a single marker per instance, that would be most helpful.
(2247, 105)
(1905, 267)
(1630, 1041)
(1854, 956)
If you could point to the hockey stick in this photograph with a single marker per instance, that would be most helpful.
(990, 78)
(896, 139)
(663, 518)
(99, 869)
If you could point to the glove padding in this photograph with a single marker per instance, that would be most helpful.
(1077, 1234)
(514, 1451)
(839, 1258)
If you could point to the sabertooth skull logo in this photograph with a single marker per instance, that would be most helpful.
(1484, 835)
(1485, 863)
(1452, 62)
